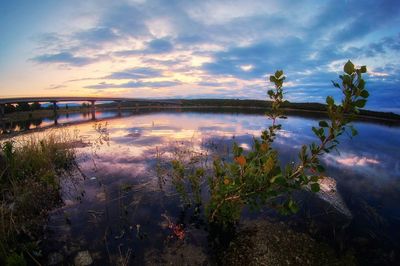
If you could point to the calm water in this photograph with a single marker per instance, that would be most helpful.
(119, 208)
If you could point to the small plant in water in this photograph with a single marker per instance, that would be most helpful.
(256, 178)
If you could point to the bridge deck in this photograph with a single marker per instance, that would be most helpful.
(79, 99)
(54, 100)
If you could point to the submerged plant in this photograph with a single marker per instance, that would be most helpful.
(256, 178)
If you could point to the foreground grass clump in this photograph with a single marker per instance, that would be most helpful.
(30, 170)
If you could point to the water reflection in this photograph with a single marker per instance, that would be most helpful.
(11, 126)
(122, 191)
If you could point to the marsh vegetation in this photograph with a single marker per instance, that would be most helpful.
(30, 172)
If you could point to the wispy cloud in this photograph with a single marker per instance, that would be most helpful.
(55, 87)
(64, 58)
(135, 84)
(136, 73)
(156, 46)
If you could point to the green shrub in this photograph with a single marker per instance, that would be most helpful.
(256, 178)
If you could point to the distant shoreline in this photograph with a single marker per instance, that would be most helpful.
(206, 105)
(293, 110)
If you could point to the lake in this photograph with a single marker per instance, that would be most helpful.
(120, 208)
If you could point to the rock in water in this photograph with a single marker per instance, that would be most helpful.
(83, 258)
(329, 193)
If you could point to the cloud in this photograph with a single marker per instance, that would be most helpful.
(209, 84)
(360, 22)
(135, 84)
(216, 84)
(126, 19)
(136, 73)
(164, 62)
(156, 46)
(385, 45)
(264, 57)
(356, 161)
(96, 36)
(55, 87)
(64, 58)
(159, 46)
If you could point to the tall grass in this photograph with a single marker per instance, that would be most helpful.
(30, 170)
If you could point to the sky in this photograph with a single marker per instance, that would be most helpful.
(197, 48)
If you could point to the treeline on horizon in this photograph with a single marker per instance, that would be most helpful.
(22, 107)
(255, 104)
(308, 106)
(27, 107)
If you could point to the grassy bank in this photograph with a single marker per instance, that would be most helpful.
(29, 187)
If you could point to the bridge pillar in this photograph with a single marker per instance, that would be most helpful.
(93, 105)
(93, 109)
(55, 113)
(119, 107)
(2, 110)
(55, 108)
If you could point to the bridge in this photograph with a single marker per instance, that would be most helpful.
(92, 100)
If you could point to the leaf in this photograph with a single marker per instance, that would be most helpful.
(347, 79)
(241, 160)
(364, 94)
(293, 206)
(329, 100)
(349, 67)
(264, 147)
(315, 187)
(314, 178)
(360, 103)
(320, 168)
(274, 178)
(354, 131)
(335, 84)
(315, 130)
(323, 124)
(303, 153)
(363, 69)
(279, 74)
(269, 164)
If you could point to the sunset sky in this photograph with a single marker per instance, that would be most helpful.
(197, 49)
